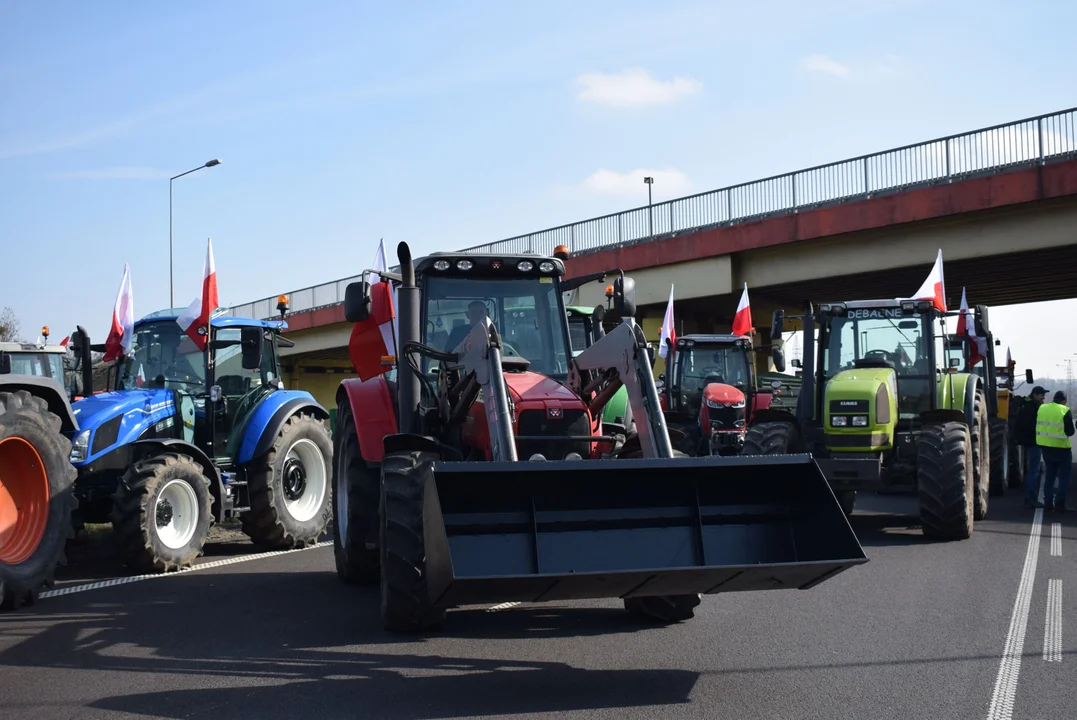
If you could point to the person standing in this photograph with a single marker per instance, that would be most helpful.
(1025, 435)
(1054, 428)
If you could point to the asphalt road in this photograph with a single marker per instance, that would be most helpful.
(918, 632)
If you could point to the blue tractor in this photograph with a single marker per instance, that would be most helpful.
(187, 438)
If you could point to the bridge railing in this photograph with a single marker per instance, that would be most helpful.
(987, 151)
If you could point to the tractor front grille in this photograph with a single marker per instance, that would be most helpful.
(725, 418)
(537, 422)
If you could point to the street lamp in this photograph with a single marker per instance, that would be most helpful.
(650, 210)
(171, 295)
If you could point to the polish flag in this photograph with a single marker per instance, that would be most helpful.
(195, 319)
(120, 335)
(934, 288)
(966, 326)
(372, 338)
(65, 341)
(389, 333)
(742, 321)
(666, 332)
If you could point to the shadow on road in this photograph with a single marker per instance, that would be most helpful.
(301, 644)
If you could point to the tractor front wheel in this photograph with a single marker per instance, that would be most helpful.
(945, 480)
(36, 500)
(771, 438)
(1000, 456)
(355, 505)
(290, 487)
(405, 599)
(161, 513)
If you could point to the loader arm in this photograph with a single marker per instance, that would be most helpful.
(623, 349)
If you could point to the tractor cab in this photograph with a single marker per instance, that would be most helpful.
(711, 391)
(39, 360)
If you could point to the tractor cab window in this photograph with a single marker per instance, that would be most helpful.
(884, 337)
(163, 356)
(579, 333)
(526, 311)
(39, 364)
(228, 369)
(957, 349)
(698, 366)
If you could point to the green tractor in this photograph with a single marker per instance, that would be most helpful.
(584, 330)
(882, 408)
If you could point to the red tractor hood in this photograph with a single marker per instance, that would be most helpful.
(532, 387)
(722, 393)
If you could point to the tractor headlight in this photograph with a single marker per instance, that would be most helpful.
(546, 266)
(80, 446)
(464, 264)
(839, 421)
(441, 264)
(860, 421)
(525, 265)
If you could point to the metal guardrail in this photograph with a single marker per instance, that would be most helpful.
(987, 151)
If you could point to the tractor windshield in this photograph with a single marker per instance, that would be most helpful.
(883, 337)
(697, 366)
(39, 364)
(526, 311)
(163, 357)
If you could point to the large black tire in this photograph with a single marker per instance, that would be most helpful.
(356, 491)
(26, 417)
(139, 512)
(945, 480)
(771, 438)
(405, 600)
(663, 609)
(1000, 456)
(980, 434)
(296, 469)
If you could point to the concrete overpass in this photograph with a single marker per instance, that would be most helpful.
(1000, 202)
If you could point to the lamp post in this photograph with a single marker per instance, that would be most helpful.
(171, 294)
(650, 209)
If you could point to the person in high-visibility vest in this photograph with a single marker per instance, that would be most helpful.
(1025, 435)
(1054, 428)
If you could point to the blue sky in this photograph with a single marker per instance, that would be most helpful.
(339, 123)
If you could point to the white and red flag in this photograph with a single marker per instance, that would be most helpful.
(120, 334)
(195, 319)
(967, 326)
(666, 334)
(934, 288)
(742, 321)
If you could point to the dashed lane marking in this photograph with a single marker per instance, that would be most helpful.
(1052, 635)
(1056, 539)
(194, 568)
(1010, 665)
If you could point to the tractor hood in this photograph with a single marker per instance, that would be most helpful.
(721, 394)
(94, 410)
(533, 387)
(860, 409)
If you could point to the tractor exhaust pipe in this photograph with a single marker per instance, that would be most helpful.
(85, 360)
(408, 388)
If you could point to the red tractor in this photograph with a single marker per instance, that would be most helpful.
(710, 394)
(471, 466)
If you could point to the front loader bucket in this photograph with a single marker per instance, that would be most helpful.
(564, 530)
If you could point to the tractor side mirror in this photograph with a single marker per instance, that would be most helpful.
(624, 296)
(250, 340)
(357, 301)
(955, 362)
(983, 327)
(795, 362)
(1028, 376)
(777, 354)
(777, 324)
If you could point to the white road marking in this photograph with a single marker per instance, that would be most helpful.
(1010, 665)
(1052, 635)
(502, 606)
(1056, 539)
(202, 566)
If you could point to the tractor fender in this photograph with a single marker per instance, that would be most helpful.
(48, 388)
(269, 418)
(372, 407)
(142, 449)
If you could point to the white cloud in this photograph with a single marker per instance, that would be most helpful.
(669, 182)
(634, 87)
(115, 173)
(824, 64)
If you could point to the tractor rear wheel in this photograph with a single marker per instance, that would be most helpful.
(405, 599)
(663, 608)
(161, 513)
(36, 498)
(1000, 456)
(290, 486)
(355, 505)
(945, 480)
(981, 454)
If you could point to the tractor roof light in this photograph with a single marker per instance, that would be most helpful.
(546, 266)
(908, 306)
(441, 264)
(282, 303)
(525, 266)
(924, 305)
(561, 252)
(45, 331)
(609, 291)
(464, 264)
